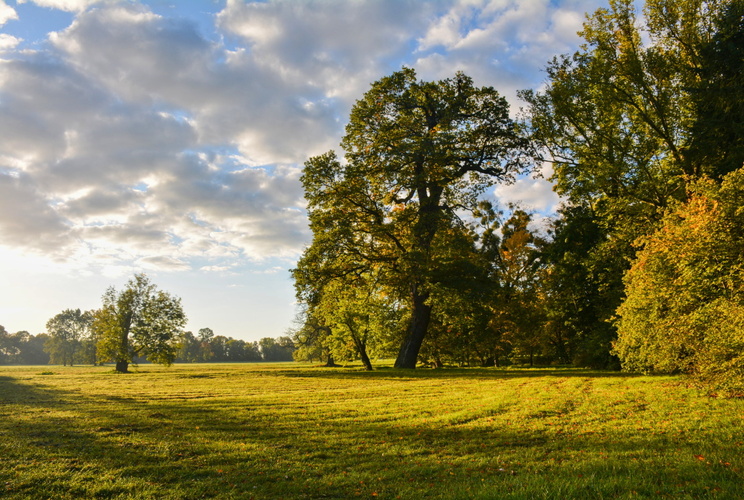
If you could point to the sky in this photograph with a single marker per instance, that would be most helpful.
(168, 137)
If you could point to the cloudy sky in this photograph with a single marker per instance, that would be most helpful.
(168, 137)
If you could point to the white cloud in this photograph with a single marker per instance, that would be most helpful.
(8, 42)
(135, 141)
(66, 5)
(504, 43)
(7, 13)
(26, 219)
(531, 192)
(106, 143)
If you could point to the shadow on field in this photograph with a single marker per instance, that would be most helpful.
(202, 446)
(454, 373)
(70, 445)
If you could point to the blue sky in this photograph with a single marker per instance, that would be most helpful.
(168, 137)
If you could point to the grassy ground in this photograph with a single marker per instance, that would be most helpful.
(288, 431)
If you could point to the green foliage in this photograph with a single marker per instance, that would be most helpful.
(276, 349)
(415, 154)
(216, 348)
(581, 287)
(717, 139)
(69, 332)
(645, 108)
(285, 431)
(684, 310)
(22, 348)
(139, 320)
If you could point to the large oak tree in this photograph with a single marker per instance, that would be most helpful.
(417, 154)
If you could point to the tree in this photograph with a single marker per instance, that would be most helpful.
(67, 331)
(206, 335)
(519, 308)
(276, 349)
(644, 108)
(582, 287)
(616, 117)
(188, 348)
(139, 320)
(684, 310)
(717, 140)
(4, 345)
(416, 153)
(310, 336)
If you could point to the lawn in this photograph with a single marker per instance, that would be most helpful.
(296, 431)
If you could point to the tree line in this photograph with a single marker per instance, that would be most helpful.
(641, 268)
(137, 324)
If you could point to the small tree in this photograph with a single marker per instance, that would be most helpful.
(139, 320)
(67, 331)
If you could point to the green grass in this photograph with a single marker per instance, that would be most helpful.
(293, 431)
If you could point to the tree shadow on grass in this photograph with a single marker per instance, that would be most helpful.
(134, 447)
(454, 373)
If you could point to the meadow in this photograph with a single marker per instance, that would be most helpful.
(269, 431)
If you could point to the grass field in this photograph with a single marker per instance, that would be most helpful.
(293, 431)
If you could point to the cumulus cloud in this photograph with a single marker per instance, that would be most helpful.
(108, 140)
(130, 139)
(503, 43)
(7, 13)
(66, 5)
(27, 219)
(531, 192)
(8, 42)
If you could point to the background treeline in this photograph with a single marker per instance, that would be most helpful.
(22, 348)
(206, 347)
(641, 268)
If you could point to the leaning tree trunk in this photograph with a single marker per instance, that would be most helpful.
(420, 316)
(365, 358)
(122, 366)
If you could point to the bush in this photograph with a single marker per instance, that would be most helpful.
(684, 306)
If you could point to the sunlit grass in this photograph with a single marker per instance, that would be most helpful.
(292, 431)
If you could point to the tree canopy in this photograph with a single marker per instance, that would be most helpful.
(69, 331)
(416, 154)
(684, 310)
(139, 320)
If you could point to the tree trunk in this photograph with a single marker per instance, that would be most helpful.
(331, 363)
(365, 359)
(122, 366)
(361, 346)
(420, 316)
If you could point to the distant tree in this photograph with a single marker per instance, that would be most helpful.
(4, 346)
(67, 331)
(205, 337)
(139, 320)
(33, 350)
(251, 352)
(218, 346)
(276, 349)
(188, 348)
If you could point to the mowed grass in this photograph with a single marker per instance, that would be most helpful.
(293, 431)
